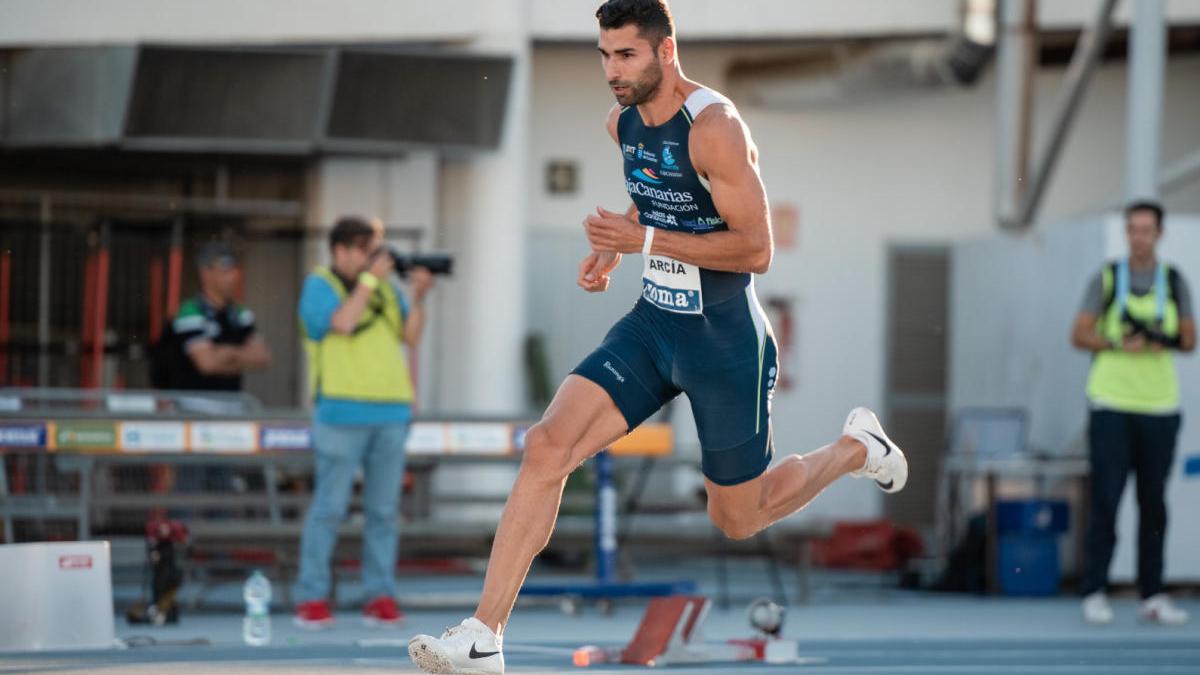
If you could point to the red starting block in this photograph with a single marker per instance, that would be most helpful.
(670, 634)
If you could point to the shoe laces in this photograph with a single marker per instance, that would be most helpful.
(457, 629)
(874, 463)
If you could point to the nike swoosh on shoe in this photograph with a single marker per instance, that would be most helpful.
(887, 447)
(474, 654)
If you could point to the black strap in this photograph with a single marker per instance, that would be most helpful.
(1110, 295)
(1173, 282)
(377, 312)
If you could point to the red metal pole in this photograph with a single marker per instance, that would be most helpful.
(101, 321)
(20, 479)
(174, 279)
(89, 301)
(175, 269)
(156, 299)
(239, 293)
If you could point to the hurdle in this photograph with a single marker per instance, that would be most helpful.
(671, 633)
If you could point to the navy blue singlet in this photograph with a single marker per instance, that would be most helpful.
(694, 330)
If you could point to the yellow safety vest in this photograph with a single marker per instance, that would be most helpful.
(1143, 382)
(367, 365)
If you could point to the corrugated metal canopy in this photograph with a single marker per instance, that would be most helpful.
(251, 100)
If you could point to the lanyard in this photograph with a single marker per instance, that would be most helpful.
(1160, 288)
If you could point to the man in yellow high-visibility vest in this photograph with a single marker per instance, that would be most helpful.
(1135, 313)
(357, 327)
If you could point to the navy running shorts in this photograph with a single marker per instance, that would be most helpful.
(725, 360)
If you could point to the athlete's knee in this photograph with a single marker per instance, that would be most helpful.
(739, 526)
(544, 456)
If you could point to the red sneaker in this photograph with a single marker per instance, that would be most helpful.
(313, 615)
(382, 612)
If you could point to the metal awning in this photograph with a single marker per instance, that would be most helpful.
(269, 100)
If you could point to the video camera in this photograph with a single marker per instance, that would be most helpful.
(436, 263)
(1152, 333)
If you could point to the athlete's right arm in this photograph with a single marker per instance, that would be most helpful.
(596, 266)
(613, 116)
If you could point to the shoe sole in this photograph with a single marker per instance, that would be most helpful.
(892, 487)
(427, 659)
(433, 661)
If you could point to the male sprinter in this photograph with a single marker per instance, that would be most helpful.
(700, 219)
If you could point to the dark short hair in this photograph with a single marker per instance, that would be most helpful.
(1146, 205)
(351, 231)
(652, 17)
(216, 254)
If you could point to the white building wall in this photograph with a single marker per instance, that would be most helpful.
(1074, 13)
(48, 22)
(910, 170)
(486, 211)
(706, 19)
(44, 22)
(719, 19)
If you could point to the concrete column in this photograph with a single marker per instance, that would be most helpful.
(485, 216)
(1143, 136)
(1014, 94)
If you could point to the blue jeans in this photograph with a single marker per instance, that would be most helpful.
(339, 452)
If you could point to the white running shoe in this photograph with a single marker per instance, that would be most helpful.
(885, 464)
(1096, 608)
(470, 647)
(1160, 609)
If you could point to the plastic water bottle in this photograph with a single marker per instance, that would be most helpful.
(256, 626)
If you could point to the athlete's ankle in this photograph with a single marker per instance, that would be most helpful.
(855, 453)
(496, 627)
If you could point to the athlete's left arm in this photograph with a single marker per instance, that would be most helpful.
(721, 150)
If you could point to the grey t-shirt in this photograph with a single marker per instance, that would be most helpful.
(1140, 283)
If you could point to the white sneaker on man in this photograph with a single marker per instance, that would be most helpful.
(885, 464)
(1096, 608)
(470, 648)
(1160, 609)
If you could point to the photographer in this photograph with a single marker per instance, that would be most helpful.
(1135, 312)
(357, 327)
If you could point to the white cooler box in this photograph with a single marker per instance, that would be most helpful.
(56, 596)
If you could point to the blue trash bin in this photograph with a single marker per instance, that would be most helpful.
(1027, 555)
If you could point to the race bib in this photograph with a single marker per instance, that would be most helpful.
(672, 285)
